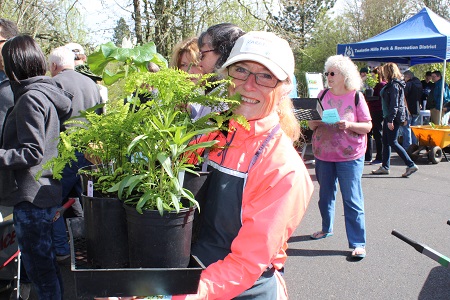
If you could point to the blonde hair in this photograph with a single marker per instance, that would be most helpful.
(188, 46)
(288, 121)
(391, 71)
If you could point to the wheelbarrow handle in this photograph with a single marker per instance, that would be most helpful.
(419, 247)
(63, 208)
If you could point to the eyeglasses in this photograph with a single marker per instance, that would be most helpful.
(263, 79)
(202, 53)
(3, 41)
(329, 73)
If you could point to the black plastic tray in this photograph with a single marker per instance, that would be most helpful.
(307, 108)
(91, 282)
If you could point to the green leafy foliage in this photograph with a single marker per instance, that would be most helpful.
(126, 60)
(372, 80)
(141, 148)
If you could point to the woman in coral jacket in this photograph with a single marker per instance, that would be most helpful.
(259, 187)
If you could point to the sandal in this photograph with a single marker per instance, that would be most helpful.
(359, 252)
(320, 235)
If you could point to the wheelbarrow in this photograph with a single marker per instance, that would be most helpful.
(432, 139)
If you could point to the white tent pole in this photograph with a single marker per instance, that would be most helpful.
(442, 92)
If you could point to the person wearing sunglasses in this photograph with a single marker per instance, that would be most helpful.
(215, 45)
(258, 187)
(339, 151)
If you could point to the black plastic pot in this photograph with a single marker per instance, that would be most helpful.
(198, 185)
(106, 232)
(157, 241)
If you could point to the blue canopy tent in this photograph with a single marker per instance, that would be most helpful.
(421, 39)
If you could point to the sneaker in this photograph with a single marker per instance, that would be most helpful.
(376, 162)
(381, 171)
(60, 258)
(25, 290)
(410, 170)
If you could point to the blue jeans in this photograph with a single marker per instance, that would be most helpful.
(34, 234)
(349, 174)
(390, 140)
(408, 136)
(70, 180)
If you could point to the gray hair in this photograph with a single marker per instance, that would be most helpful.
(345, 66)
(408, 73)
(62, 57)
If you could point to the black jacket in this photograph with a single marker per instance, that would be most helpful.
(6, 101)
(393, 97)
(413, 94)
(30, 139)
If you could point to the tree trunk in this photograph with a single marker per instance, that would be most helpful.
(137, 20)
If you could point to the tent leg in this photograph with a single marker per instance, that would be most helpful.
(442, 92)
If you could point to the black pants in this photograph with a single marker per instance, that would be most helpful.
(375, 134)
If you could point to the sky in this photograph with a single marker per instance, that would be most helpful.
(101, 19)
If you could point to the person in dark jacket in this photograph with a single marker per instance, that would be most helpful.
(30, 139)
(85, 95)
(394, 114)
(441, 96)
(376, 113)
(8, 29)
(413, 94)
(427, 86)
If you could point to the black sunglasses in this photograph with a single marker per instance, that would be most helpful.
(202, 53)
(3, 41)
(329, 73)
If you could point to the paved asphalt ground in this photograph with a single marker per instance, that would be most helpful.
(417, 207)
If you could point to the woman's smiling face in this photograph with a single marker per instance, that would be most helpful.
(257, 101)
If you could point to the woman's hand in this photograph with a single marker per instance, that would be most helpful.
(343, 124)
(390, 126)
(357, 127)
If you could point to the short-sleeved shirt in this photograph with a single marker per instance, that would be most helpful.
(333, 144)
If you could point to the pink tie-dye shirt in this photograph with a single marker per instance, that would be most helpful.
(333, 144)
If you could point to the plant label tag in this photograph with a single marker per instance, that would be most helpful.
(90, 188)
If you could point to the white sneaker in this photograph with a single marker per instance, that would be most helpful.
(410, 170)
(381, 171)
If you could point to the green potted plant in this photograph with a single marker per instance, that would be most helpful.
(141, 149)
(371, 81)
(153, 192)
(104, 139)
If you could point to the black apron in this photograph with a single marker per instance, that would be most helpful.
(221, 220)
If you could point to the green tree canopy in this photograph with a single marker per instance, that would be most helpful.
(120, 31)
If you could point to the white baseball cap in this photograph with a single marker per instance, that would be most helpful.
(267, 49)
(75, 48)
